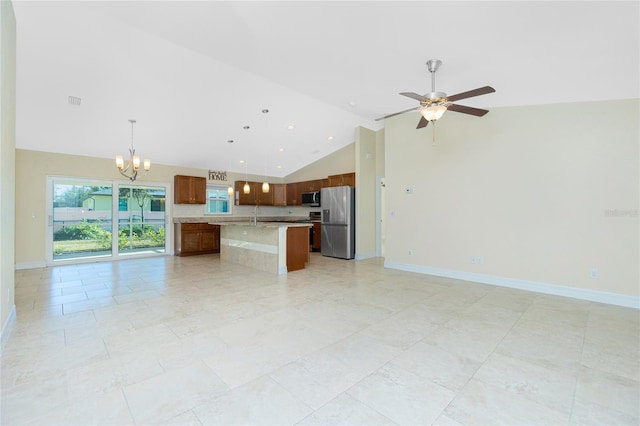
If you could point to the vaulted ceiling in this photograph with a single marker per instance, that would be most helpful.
(194, 74)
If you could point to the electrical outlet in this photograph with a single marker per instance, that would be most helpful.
(410, 252)
(594, 273)
(476, 260)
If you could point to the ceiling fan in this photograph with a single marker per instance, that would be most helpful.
(434, 104)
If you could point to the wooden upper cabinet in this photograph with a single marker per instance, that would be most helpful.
(349, 179)
(310, 186)
(345, 179)
(264, 198)
(279, 191)
(256, 196)
(292, 194)
(243, 199)
(189, 189)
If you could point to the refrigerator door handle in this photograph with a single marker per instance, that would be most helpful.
(326, 216)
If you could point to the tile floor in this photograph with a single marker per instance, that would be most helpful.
(195, 341)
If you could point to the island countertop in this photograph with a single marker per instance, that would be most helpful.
(265, 224)
(219, 220)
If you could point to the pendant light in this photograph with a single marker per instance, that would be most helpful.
(265, 184)
(230, 189)
(246, 188)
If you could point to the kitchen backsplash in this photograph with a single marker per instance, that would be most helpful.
(197, 210)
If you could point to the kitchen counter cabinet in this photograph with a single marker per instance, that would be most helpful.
(297, 248)
(196, 238)
(189, 189)
(317, 236)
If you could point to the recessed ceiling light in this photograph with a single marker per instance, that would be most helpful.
(281, 150)
(230, 141)
(246, 127)
(278, 167)
(330, 138)
(241, 161)
(352, 104)
(291, 127)
(265, 111)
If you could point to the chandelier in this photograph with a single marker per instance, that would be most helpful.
(131, 171)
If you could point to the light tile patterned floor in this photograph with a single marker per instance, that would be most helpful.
(192, 340)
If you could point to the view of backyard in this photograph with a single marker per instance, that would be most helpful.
(83, 224)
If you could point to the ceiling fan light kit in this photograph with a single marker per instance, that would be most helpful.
(434, 104)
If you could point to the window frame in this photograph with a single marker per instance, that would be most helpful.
(228, 199)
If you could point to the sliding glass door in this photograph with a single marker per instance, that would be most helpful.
(141, 219)
(81, 219)
(84, 213)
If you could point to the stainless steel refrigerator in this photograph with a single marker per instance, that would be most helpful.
(338, 222)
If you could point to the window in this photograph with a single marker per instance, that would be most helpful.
(123, 204)
(218, 200)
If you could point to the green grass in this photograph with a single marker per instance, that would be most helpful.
(88, 246)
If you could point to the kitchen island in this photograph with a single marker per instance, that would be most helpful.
(275, 247)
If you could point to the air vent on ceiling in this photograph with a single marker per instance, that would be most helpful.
(73, 100)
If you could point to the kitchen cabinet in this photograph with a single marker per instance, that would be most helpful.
(345, 179)
(257, 197)
(292, 194)
(243, 199)
(279, 191)
(317, 236)
(310, 186)
(196, 238)
(264, 198)
(297, 248)
(189, 189)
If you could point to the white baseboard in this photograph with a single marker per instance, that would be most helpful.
(30, 265)
(362, 256)
(535, 286)
(7, 327)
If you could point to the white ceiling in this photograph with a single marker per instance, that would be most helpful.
(194, 73)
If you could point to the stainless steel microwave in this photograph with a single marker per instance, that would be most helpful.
(311, 199)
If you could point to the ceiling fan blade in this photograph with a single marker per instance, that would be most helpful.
(395, 113)
(415, 96)
(471, 93)
(422, 123)
(467, 110)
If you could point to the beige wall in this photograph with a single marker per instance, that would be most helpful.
(7, 166)
(543, 194)
(341, 161)
(366, 193)
(33, 168)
